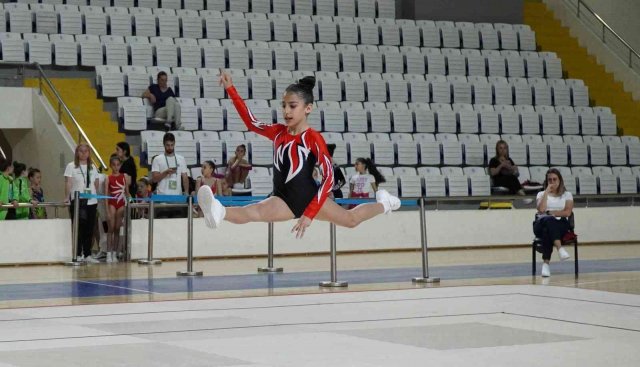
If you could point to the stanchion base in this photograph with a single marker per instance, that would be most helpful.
(75, 263)
(189, 273)
(149, 261)
(270, 270)
(422, 280)
(329, 284)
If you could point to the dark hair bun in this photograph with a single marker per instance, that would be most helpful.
(308, 82)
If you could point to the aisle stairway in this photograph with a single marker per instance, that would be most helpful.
(578, 64)
(81, 98)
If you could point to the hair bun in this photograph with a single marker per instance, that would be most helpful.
(308, 82)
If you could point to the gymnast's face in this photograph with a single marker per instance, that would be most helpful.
(295, 110)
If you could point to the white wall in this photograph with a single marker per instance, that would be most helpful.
(49, 240)
(15, 104)
(587, 38)
(45, 145)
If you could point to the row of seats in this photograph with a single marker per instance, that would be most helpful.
(398, 117)
(473, 181)
(371, 88)
(87, 50)
(260, 28)
(406, 151)
(348, 8)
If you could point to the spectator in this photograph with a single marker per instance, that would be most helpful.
(82, 176)
(165, 104)
(37, 194)
(6, 190)
(554, 205)
(128, 166)
(208, 178)
(143, 190)
(21, 189)
(116, 186)
(365, 180)
(238, 168)
(338, 177)
(503, 171)
(169, 171)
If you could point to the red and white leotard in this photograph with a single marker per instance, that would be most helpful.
(117, 186)
(295, 157)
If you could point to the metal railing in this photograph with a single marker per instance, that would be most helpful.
(64, 114)
(604, 31)
(2, 153)
(54, 205)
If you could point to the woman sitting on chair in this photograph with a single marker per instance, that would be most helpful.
(555, 205)
(503, 171)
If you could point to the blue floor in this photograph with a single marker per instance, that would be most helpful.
(98, 288)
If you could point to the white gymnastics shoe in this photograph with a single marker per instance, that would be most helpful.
(389, 201)
(214, 212)
(563, 254)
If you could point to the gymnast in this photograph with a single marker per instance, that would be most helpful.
(297, 150)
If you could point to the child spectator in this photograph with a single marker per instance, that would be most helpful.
(338, 177)
(365, 181)
(238, 168)
(21, 189)
(208, 178)
(116, 186)
(6, 190)
(37, 194)
(143, 191)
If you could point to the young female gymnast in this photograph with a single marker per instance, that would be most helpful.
(297, 149)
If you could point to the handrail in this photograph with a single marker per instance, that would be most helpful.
(61, 106)
(606, 26)
(2, 153)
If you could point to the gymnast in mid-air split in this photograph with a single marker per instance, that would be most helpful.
(297, 150)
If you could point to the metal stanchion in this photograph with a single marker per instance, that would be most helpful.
(150, 260)
(425, 256)
(334, 283)
(270, 268)
(189, 272)
(127, 231)
(74, 232)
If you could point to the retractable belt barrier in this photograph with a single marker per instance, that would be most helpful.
(188, 201)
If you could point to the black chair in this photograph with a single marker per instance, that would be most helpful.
(569, 239)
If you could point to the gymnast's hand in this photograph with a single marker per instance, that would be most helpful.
(225, 79)
(301, 226)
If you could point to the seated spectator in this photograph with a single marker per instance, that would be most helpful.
(6, 190)
(165, 104)
(37, 194)
(554, 205)
(208, 178)
(503, 171)
(238, 168)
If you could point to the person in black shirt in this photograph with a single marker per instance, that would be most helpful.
(503, 171)
(165, 104)
(128, 164)
(338, 177)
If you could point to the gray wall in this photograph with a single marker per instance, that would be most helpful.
(494, 11)
(622, 16)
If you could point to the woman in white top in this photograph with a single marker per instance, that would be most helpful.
(81, 175)
(555, 205)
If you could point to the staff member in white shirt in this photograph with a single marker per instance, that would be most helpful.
(554, 205)
(169, 171)
(82, 176)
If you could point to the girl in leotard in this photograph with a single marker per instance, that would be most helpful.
(116, 186)
(297, 149)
